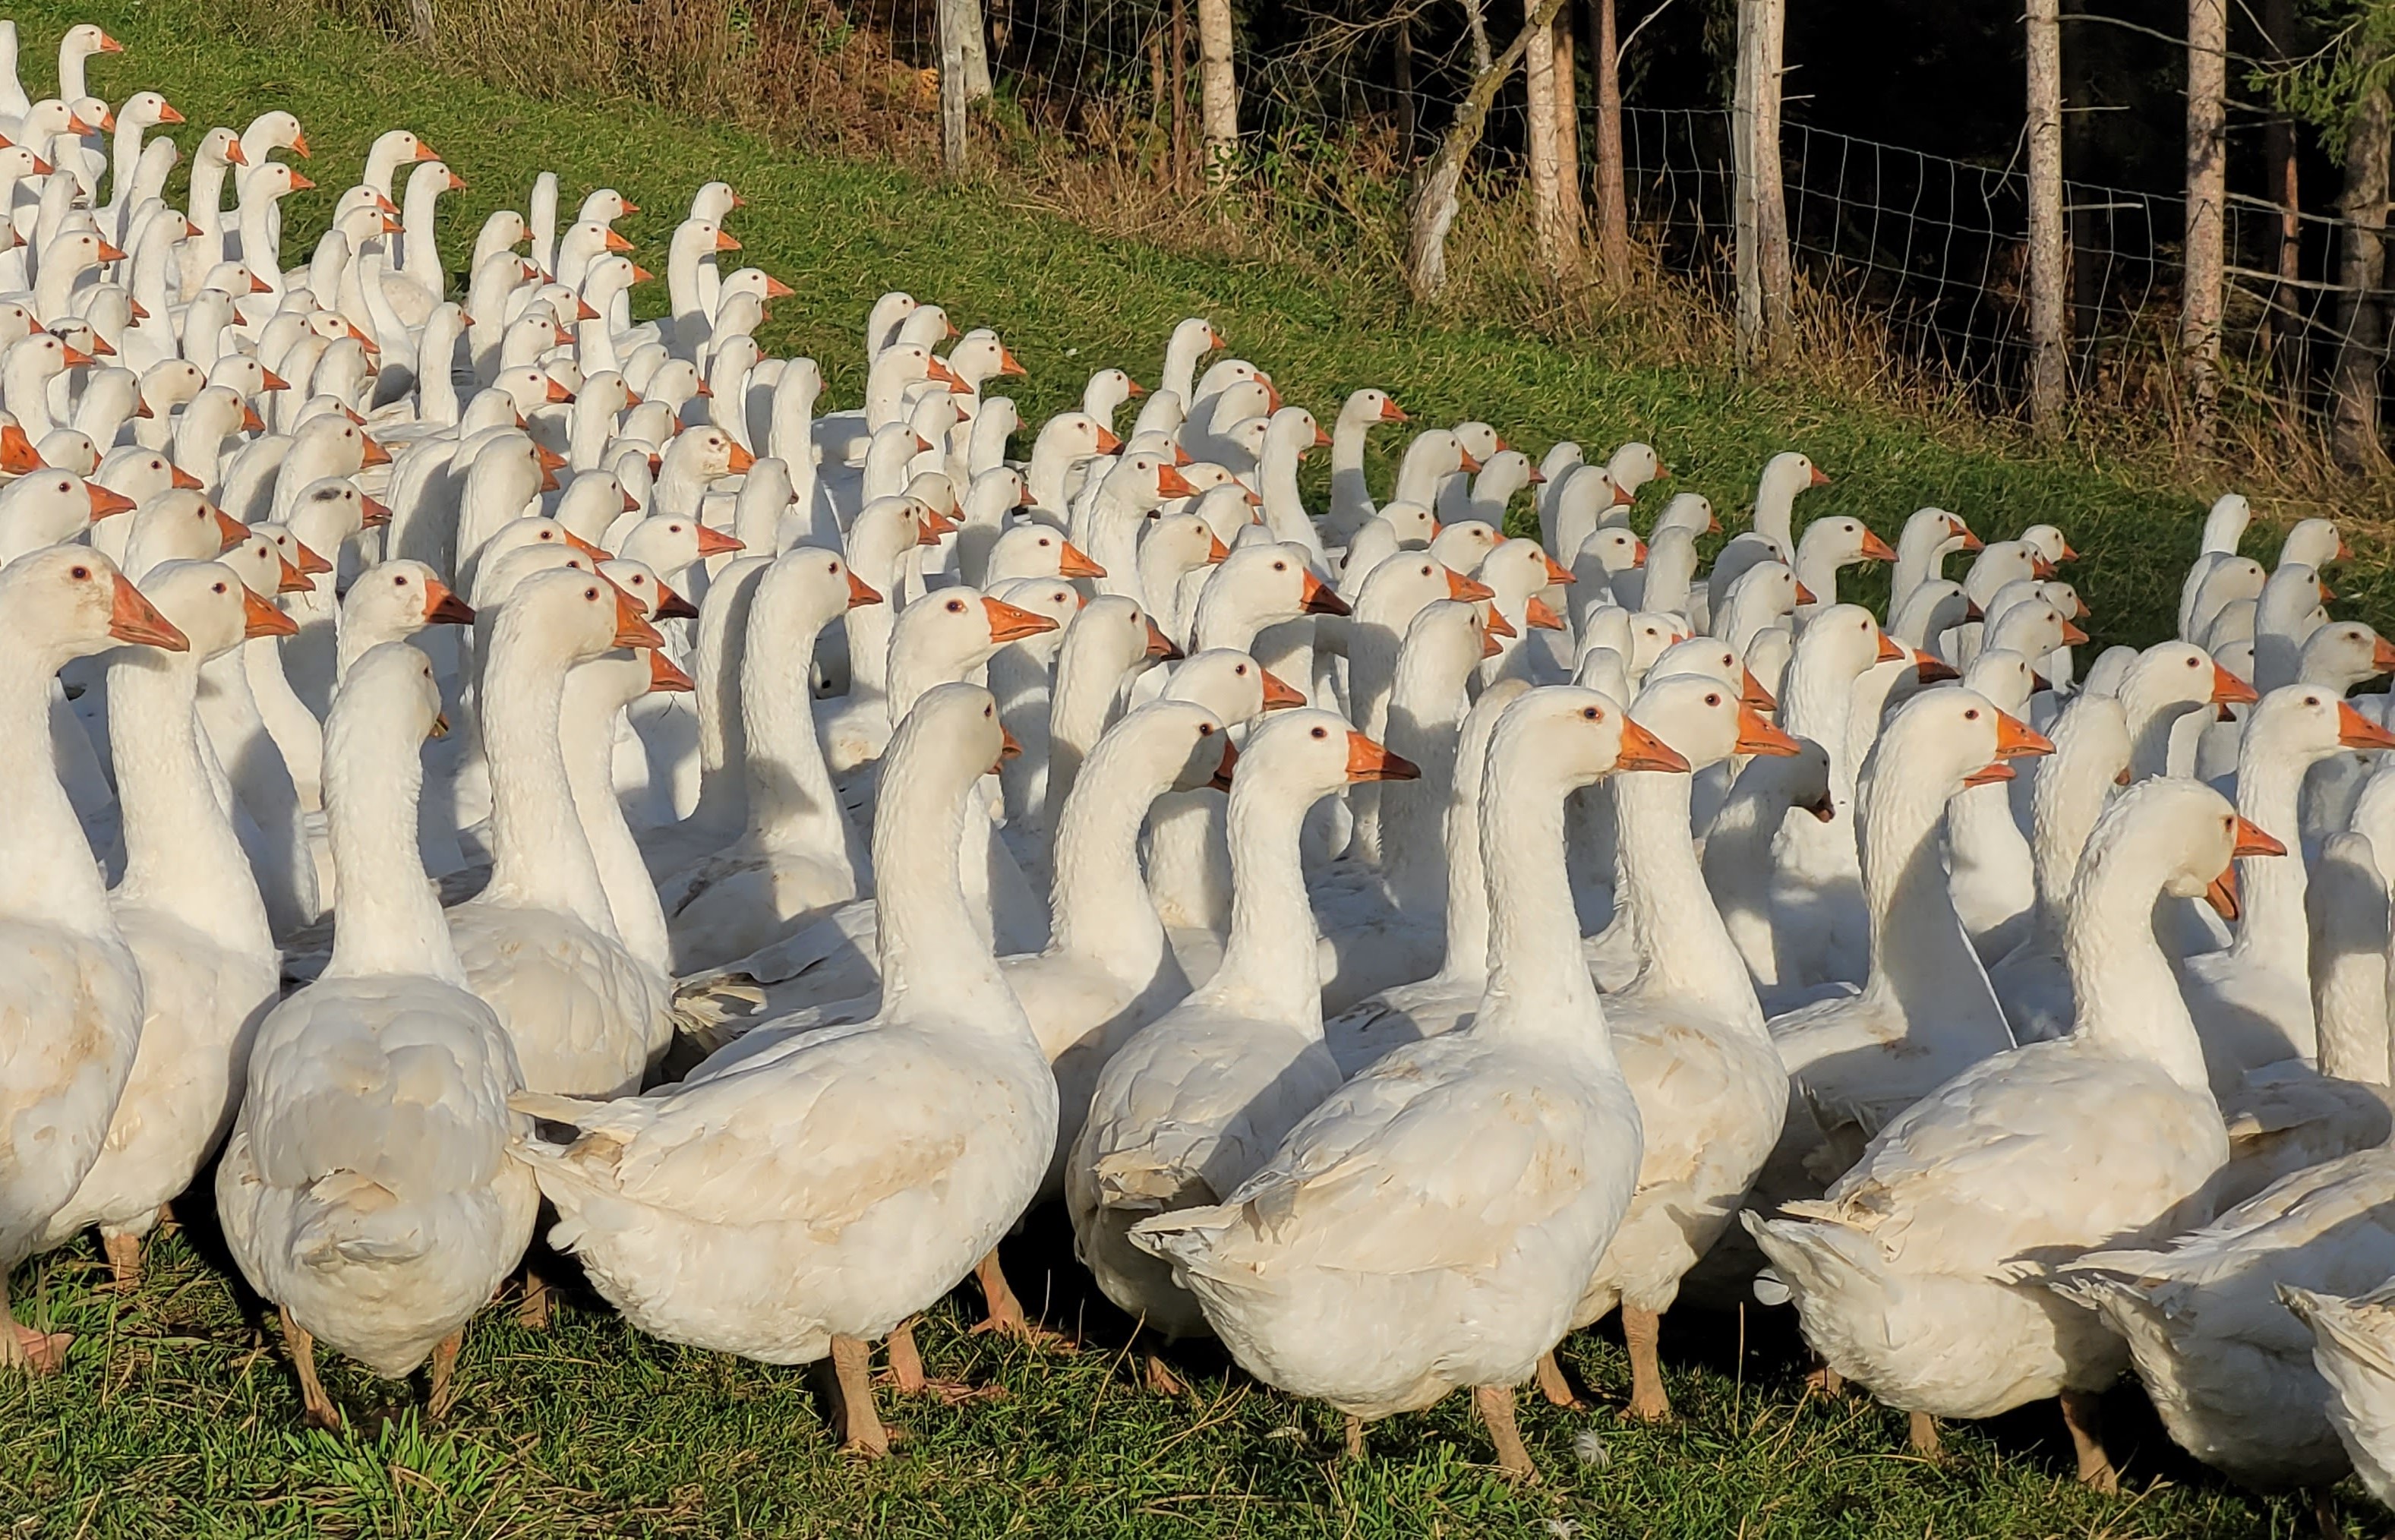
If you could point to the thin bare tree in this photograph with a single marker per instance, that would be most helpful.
(2207, 190)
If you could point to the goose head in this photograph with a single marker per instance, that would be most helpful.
(2313, 543)
(2225, 521)
(1037, 550)
(2172, 676)
(1298, 757)
(1502, 475)
(882, 531)
(46, 507)
(1052, 597)
(1633, 465)
(927, 327)
(498, 577)
(216, 612)
(1177, 543)
(330, 510)
(1429, 460)
(1070, 436)
(706, 455)
(1262, 585)
(1688, 511)
(1465, 544)
(401, 597)
(948, 634)
(1942, 740)
(1227, 509)
(1115, 637)
(2178, 837)
(262, 566)
(1368, 408)
(177, 524)
(2064, 597)
(1704, 721)
(1401, 587)
(2033, 627)
(1932, 535)
(1559, 738)
(1255, 395)
(1840, 642)
(2004, 676)
(2002, 562)
(1480, 441)
(67, 602)
(1705, 658)
(1588, 499)
(2345, 654)
(649, 593)
(1412, 525)
(1840, 542)
(1516, 571)
(808, 588)
(1786, 474)
(1167, 745)
(2304, 723)
(2047, 541)
(1604, 552)
(565, 615)
(673, 543)
(1232, 685)
(167, 384)
(2289, 596)
(978, 356)
(1445, 640)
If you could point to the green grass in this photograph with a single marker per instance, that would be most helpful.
(178, 1414)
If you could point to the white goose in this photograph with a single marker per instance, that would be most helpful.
(1433, 1223)
(884, 1160)
(366, 1188)
(76, 986)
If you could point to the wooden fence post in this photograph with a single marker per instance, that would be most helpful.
(1575, 209)
(1612, 180)
(2361, 269)
(2047, 311)
(419, 24)
(1437, 191)
(1764, 275)
(1558, 250)
(954, 84)
(1218, 87)
(1180, 97)
(2207, 189)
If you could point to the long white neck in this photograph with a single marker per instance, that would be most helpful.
(389, 921)
(792, 802)
(181, 856)
(541, 857)
(1690, 954)
(1467, 887)
(1539, 983)
(721, 647)
(46, 872)
(1426, 705)
(2270, 782)
(1099, 905)
(1284, 504)
(2349, 939)
(596, 693)
(1920, 961)
(934, 952)
(2072, 790)
(1089, 682)
(2127, 995)
(1269, 969)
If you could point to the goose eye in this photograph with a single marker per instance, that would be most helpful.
(1321, 732)
(987, 710)
(1590, 713)
(591, 593)
(1281, 567)
(1713, 700)
(1971, 715)
(80, 574)
(400, 581)
(1205, 729)
(1241, 670)
(956, 607)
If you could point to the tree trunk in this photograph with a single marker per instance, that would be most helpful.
(2361, 269)
(1218, 86)
(1407, 110)
(1546, 156)
(956, 84)
(1180, 97)
(962, 20)
(2278, 167)
(2048, 362)
(2207, 187)
(1612, 180)
(1435, 196)
(1765, 283)
(419, 24)
(1567, 137)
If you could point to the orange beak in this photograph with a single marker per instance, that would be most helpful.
(1221, 779)
(1392, 412)
(1804, 595)
(1461, 586)
(2251, 841)
(76, 357)
(377, 513)
(1556, 574)
(1008, 364)
(18, 455)
(1499, 625)
(309, 563)
(860, 595)
(104, 502)
(2229, 690)
(2018, 739)
(1643, 750)
(1877, 550)
(616, 243)
(232, 531)
(1317, 598)
(2356, 731)
(664, 678)
(1368, 761)
(1216, 552)
(289, 578)
(179, 477)
(1930, 668)
(936, 523)
(1172, 484)
(632, 628)
(134, 618)
(724, 241)
(1489, 647)
(1819, 479)
(1072, 562)
(1751, 694)
(1891, 650)
(111, 253)
(1107, 441)
(1539, 617)
(444, 608)
(259, 617)
(672, 606)
(1322, 440)
(1465, 462)
(578, 543)
(1279, 694)
(2382, 656)
(1987, 775)
(1011, 623)
(1160, 645)
(741, 459)
(714, 542)
(1756, 735)
(2072, 636)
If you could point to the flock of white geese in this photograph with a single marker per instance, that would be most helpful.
(1626, 931)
